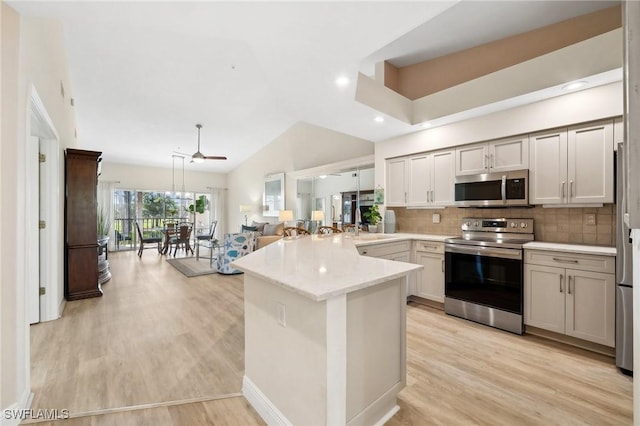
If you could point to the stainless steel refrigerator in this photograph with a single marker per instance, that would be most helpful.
(624, 273)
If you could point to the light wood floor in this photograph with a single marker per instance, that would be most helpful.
(158, 337)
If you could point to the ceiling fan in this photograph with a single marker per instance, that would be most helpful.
(199, 157)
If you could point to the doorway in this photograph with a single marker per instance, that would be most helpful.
(43, 256)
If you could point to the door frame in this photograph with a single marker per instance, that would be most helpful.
(50, 276)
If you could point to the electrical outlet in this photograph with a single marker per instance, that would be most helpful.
(282, 315)
(590, 219)
(436, 218)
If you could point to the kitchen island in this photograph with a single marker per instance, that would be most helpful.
(324, 332)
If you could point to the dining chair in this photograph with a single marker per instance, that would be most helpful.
(149, 240)
(208, 241)
(183, 236)
(294, 231)
(329, 230)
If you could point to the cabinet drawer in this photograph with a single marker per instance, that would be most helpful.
(429, 246)
(380, 250)
(584, 262)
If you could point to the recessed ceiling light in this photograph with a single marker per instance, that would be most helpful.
(574, 85)
(342, 81)
(379, 119)
(425, 125)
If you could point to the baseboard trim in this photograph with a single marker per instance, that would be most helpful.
(388, 416)
(572, 341)
(23, 404)
(259, 401)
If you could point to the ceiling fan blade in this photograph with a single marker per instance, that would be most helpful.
(214, 157)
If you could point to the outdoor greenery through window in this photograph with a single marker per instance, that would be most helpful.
(152, 209)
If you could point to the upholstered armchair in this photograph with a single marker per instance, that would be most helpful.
(234, 247)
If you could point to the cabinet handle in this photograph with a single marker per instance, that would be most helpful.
(491, 162)
(561, 260)
(570, 188)
(432, 196)
(561, 279)
(442, 265)
(562, 189)
(485, 161)
(405, 197)
(569, 284)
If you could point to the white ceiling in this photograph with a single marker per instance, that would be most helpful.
(144, 73)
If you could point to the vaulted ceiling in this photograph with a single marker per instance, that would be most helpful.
(144, 73)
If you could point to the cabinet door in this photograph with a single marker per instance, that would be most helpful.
(509, 154)
(590, 163)
(591, 306)
(442, 178)
(472, 159)
(548, 168)
(430, 280)
(419, 182)
(544, 300)
(396, 183)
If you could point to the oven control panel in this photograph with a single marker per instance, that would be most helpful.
(517, 225)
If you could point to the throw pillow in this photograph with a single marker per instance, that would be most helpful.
(259, 226)
(246, 228)
(275, 229)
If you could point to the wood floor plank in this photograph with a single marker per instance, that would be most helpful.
(159, 337)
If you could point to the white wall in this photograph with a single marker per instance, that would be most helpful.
(159, 178)
(301, 147)
(33, 55)
(592, 104)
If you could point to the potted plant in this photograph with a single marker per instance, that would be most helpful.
(198, 207)
(104, 224)
(373, 217)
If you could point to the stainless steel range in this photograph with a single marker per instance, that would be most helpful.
(484, 272)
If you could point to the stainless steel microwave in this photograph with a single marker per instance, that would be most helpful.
(493, 189)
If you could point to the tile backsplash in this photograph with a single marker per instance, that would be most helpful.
(558, 225)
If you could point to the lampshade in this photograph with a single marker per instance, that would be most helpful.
(317, 215)
(244, 208)
(285, 215)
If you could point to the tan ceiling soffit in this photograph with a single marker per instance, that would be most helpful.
(422, 79)
(590, 57)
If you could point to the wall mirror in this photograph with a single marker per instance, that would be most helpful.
(337, 194)
(273, 194)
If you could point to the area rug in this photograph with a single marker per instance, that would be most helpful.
(191, 267)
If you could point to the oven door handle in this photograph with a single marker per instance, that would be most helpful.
(484, 251)
(503, 189)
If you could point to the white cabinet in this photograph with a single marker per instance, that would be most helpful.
(423, 180)
(430, 280)
(396, 178)
(570, 294)
(496, 156)
(399, 251)
(572, 166)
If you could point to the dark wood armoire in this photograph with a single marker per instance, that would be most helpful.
(81, 224)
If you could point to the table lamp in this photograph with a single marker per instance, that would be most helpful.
(318, 216)
(285, 216)
(245, 208)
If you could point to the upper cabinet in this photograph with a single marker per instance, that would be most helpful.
(424, 180)
(396, 182)
(572, 166)
(495, 156)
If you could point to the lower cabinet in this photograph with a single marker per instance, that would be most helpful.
(571, 300)
(430, 280)
(399, 251)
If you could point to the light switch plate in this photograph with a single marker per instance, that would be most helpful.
(590, 219)
(436, 218)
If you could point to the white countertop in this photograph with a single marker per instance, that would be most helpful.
(571, 248)
(369, 239)
(323, 266)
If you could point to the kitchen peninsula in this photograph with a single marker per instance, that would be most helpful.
(324, 331)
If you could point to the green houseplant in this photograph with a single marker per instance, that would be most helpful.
(104, 223)
(198, 207)
(373, 217)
